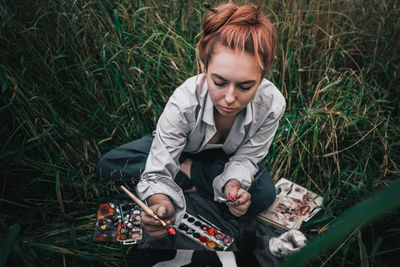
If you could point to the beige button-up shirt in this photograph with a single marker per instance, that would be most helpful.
(187, 125)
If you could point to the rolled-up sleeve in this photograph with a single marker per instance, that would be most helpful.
(242, 166)
(163, 161)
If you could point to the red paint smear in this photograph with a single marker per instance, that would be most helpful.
(171, 231)
(232, 197)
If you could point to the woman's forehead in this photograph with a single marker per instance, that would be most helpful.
(234, 64)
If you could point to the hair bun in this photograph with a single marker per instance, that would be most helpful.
(217, 18)
(246, 15)
(210, 7)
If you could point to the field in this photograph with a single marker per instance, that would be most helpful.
(79, 78)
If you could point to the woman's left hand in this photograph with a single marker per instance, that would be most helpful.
(241, 202)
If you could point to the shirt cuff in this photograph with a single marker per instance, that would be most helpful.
(232, 170)
(162, 185)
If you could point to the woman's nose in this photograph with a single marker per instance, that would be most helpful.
(230, 95)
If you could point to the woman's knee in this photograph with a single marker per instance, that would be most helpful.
(269, 196)
(262, 191)
(103, 172)
(126, 161)
(264, 198)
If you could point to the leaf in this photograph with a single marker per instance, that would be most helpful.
(329, 86)
(355, 188)
(59, 196)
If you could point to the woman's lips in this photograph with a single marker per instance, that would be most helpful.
(228, 110)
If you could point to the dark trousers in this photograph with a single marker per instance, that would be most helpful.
(123, 166)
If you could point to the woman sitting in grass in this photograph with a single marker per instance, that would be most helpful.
(216, 128)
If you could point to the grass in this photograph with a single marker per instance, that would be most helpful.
(79, 78)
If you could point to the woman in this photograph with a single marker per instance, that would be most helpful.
(216, 128)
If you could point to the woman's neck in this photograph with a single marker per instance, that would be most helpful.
(224, 125)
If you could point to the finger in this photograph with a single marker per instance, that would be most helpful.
(236, 202)
(167, 218)
(160, 232)
(243, 197)
(244, 206)
(150, 224)
(232, 191)
(152, 228)
(241, 209)
(235, 212)
(148, 220)
(240, 200)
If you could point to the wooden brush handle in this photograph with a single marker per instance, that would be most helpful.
(139, 202)
(148, 210)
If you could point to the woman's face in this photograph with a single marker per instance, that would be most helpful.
(233, 78)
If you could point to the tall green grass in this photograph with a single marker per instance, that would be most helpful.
(79, 78)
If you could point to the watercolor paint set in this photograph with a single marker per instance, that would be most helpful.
(118, 222)
(204, 233)
(293, 205)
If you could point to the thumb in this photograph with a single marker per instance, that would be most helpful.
(162, 211)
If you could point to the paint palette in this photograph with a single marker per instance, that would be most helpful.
(204, 233)
(129, 228)
(118, 222)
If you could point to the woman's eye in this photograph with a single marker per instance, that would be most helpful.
(244, 88)
(219, 84)
(222, 84)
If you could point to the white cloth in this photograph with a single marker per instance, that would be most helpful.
(287, 243)
(187, 124)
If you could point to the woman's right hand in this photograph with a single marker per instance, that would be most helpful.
(164, 209)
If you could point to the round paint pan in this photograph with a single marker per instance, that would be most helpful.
(227, 240)
(211, 244)
(219, 236)
(203, 239)
(189, 231)
(183, 227)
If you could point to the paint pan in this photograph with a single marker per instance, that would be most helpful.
(206, 234)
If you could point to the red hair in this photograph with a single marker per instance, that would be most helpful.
(239, 28)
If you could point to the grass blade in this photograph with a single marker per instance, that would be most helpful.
(6, 242)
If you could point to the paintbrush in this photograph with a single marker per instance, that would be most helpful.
(149, 211)
(122, 217)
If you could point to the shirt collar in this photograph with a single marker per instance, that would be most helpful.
(249, 114)
(208, 115)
